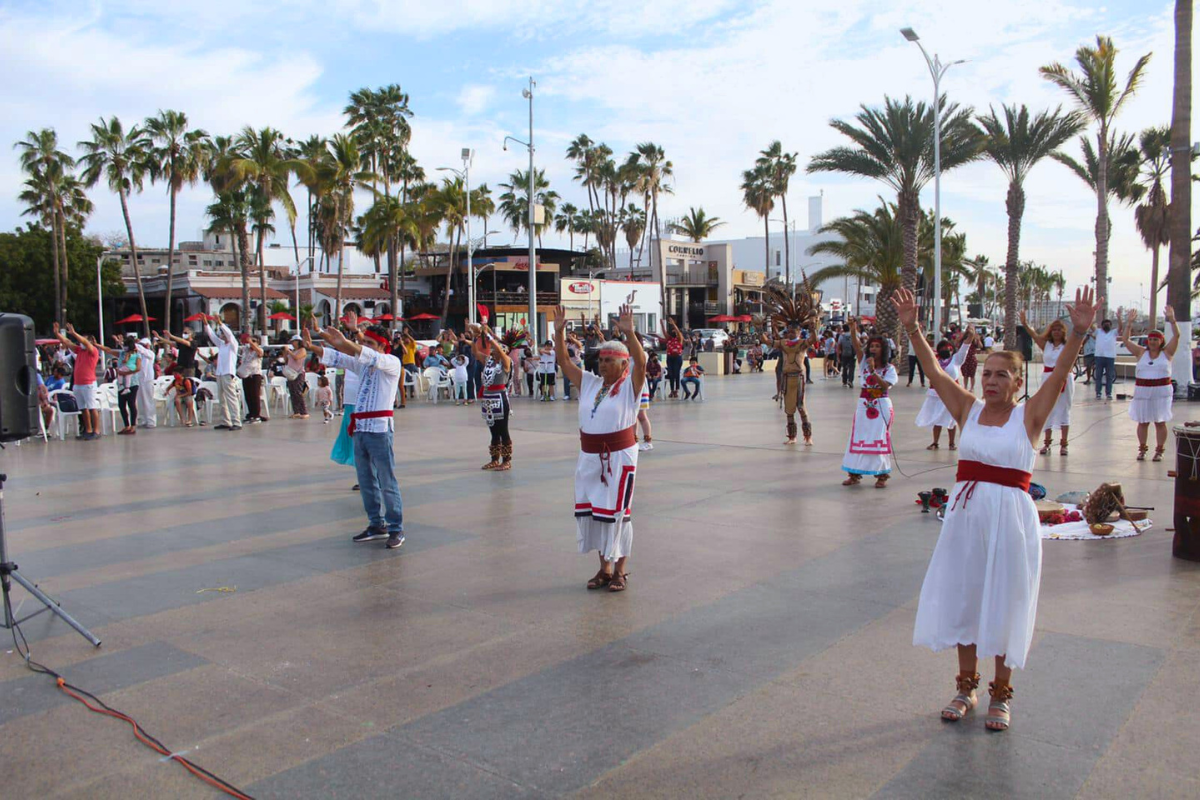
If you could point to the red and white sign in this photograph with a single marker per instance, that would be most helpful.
(580, 287)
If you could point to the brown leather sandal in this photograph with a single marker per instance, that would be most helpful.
(600, 580)
(618, 582)
(494, 452)
(966, 698)
(1158, 454)
(881, 481)
(999, 710)
(853, 480)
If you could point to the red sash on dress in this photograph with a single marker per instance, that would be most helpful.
(1046, 369)
(357, 415)
(603, 444)
(499, 387)
(1152, 382)
(973, 473)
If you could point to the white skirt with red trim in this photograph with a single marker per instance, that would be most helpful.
(603, 502)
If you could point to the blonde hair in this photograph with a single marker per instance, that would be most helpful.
(1058, 323)
(1014, 359)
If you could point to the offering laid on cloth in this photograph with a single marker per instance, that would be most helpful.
(1078, 528)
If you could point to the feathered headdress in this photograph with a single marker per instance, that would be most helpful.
(785, 309)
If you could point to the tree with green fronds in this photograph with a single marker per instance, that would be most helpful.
(1152, 216)
(758, 194)
(175, 157)
(119, 157)
(696, 225)
(1100, 96)
(1016, 141)
(781, 167)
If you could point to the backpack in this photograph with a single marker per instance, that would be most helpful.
(66, 403)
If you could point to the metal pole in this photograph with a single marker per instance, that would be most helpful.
(470, 249)
(937, 197)
(533, 323)
(100, 298)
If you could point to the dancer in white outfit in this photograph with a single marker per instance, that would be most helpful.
(1052, 341)
(607, 464)
(933, 413)
(1152, 393)
(981, 590)
(869, 451)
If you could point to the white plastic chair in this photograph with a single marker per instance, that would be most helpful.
(110, 408)
(214, 390)
(430, 378)
(161, 387)
(310, 380)
(410, 382)
(280, 398)
(60, 416)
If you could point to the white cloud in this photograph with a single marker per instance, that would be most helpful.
(475, 98)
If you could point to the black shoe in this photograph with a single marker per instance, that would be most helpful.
(394, 540)
(222, 428)
(355, 488)
(236, 428)
(370, 535)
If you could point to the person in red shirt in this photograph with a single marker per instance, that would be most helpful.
(83, 384)
(674, 340)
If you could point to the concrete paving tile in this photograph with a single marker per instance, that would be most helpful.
(1119, 779)
(1163, 731)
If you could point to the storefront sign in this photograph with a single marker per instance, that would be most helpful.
(684, 250)
(580, 287)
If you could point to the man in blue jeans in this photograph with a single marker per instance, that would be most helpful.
(372, 425)
(1106, 358)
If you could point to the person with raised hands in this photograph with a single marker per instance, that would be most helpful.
(1152, 390)
(608, 447)
(493, 397)
(372, 423)
(981, 589)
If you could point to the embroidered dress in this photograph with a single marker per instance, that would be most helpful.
(343, 445)
(933, 410)
(1153, 393)
(870, 447)
(604, 481)
(1060, 415)
(494, 403)
(981, 587)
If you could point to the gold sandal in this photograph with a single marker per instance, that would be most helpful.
(999, 710)
(967, 684)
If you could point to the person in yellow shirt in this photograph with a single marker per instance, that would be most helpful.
(408, 357)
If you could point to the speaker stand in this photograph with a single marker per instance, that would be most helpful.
(8, 573)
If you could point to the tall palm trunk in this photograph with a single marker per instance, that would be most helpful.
(1102, 223)
(58, 306)
(1153, 285)
(450, 276)
(1180, 217)
(166, 321)
(645, 233)
(766, 245)
(137, 271)
(394, 293)
(243, 247)
(341, 250)
(262, 287)
(66, 272)
(909, 206)
(396, 310)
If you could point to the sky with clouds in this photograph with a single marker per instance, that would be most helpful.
(712, 81)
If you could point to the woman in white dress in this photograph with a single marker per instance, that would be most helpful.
(1152, 392)
(1052, 342)
(933, 413)
(608, 448)
(869, 450)
(981, 589)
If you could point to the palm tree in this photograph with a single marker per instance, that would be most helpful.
(982, 275)
(564, 222)
(1121, 169)
(48, 168)
(232, 207)
(894, 145)
(1016, 142)
(389, 220)
(342, 172)
(633, 224)
(119, 157)
(311, 151)
(1181, 255)
(264, 164)
(176, 157)
(871, 248)
(759, 197)
(781, 167)
(453, 199)
(1094, 90)
(514, 202)
(654, 175)
(696, 225)
(1152, 217)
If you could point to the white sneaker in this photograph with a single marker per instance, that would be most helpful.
(645, 446)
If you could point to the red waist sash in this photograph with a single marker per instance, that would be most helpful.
(498, 387)
(602, 444)
(357, 415)
(1152, 382)
(973, 473)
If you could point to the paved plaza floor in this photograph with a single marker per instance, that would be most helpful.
(763, 648)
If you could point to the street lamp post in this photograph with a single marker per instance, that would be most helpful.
(527, 93)
(100, 297)
(938, 70)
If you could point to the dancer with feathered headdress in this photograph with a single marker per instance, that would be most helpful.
(788, 315)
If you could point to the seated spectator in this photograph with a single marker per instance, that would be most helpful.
(691, 378)
(44, 404)
(437, 360)
(184, 389)
(654, 373)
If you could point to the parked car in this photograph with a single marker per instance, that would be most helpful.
(717, 335)
(1123, 351)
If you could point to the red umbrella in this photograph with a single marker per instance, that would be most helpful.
(279, 315)
(46, 341)
(135, 318)
(419, 317)
(195, 318)
(385, 318)
(723, 318)
(744, 318)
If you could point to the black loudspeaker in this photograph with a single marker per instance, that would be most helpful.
(1025, 344)
(18, 378)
